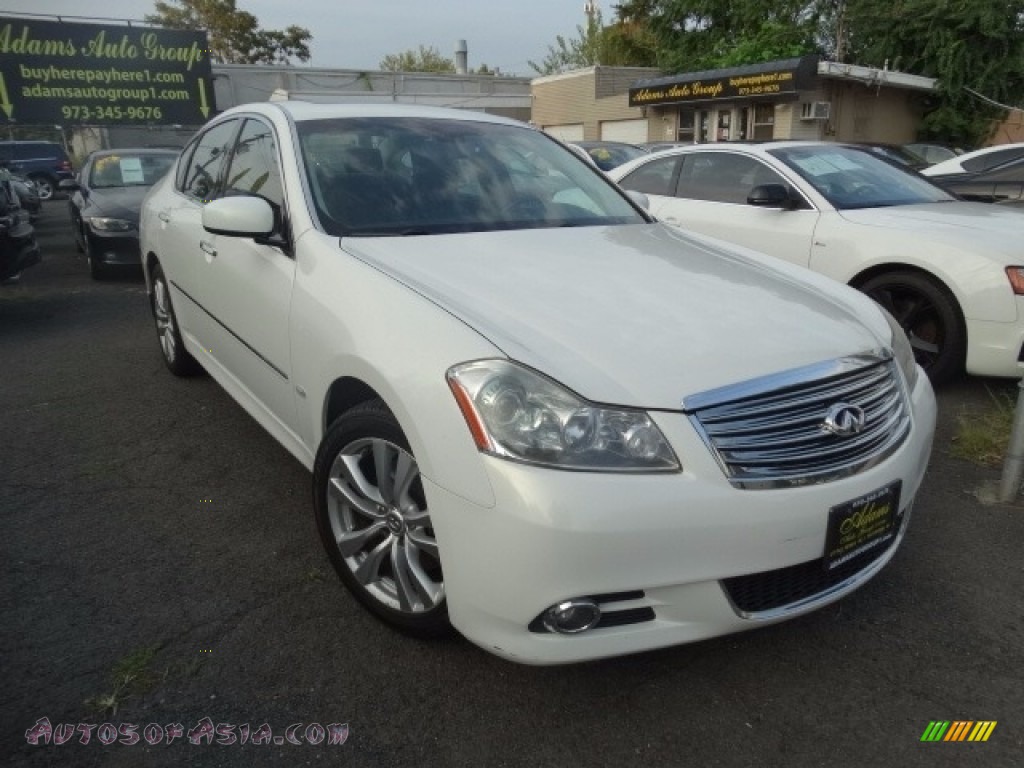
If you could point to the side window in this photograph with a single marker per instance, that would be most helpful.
(654, 178)
(992, 159)
(723, 177)
(254, 168)
(183, 166)
(207, 161)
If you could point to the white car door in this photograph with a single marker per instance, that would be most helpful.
(245, 286)
(710, 197)
(179, 214)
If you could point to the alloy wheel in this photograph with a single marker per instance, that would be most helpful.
(164, 320)
(381, 526)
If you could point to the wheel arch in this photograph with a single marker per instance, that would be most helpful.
(344, 394)
(859, 280)
(148, 263)
(879, 270)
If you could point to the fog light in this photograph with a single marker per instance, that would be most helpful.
(572, 616)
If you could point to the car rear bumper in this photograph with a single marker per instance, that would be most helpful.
(996, 349)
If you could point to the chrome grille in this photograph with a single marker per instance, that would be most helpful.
(770, 432)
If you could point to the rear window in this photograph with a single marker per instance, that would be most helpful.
(992, 159)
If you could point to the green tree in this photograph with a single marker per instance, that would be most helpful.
(578, 52)
(967, 46)
(423, 60)
(703, 34)
(235, 36)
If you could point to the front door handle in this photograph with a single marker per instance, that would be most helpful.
(208, 248)
(165, 218)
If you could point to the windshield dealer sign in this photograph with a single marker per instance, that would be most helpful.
(58, 73)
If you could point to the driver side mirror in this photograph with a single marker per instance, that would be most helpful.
(771, 196)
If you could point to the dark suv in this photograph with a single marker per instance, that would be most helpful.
(44, 162)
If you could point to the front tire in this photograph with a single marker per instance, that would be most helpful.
(929, 315)
(372, 516)
(97, 269)
(176, 357)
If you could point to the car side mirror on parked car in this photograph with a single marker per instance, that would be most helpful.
(239, 217)
(771, 196)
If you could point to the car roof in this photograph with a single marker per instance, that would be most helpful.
(134, 151)
(300, 111)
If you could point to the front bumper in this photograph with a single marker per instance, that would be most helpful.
(553, 536)
(114, 248)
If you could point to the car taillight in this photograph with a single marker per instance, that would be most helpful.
(64, 165)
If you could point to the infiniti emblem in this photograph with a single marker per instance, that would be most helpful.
(844, 420)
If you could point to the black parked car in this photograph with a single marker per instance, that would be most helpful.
(45, 163)
(28, 195)
(105, 203)
(1002, 184)
(18, 248)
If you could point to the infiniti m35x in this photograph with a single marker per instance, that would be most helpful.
(531, 412)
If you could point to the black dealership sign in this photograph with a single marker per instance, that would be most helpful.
(775, 78)
(59, 73)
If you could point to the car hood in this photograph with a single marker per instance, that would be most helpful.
(942, 220)
(117, 202)
(638, 315)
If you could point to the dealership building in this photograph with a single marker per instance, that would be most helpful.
(801, 98)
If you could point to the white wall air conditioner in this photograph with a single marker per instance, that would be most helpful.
(815, 110)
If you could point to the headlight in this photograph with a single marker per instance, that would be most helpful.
(518, 414)
(902, 350)
(104, 224)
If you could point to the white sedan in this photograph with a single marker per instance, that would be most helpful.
(983, 159)
(529, 411)
(951, 272)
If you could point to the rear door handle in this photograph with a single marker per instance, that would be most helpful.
(208, 248)
(165, 218)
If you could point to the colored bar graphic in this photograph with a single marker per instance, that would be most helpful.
(958, 730)
(982, 730)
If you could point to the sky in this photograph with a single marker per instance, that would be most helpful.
(357, 34)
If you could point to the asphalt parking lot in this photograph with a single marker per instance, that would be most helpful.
(160, 565)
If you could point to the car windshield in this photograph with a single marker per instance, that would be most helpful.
(853, 178)
(419, 176)
(608, 156)
(128, 170)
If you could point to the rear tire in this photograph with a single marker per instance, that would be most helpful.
(929, 315)
(176, 357)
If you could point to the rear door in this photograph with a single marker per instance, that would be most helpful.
(178, 241)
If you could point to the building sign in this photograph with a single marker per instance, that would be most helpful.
(58, 73)
(737, 83)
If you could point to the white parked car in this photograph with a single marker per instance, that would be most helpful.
(529, 411)
(983, 159)
(951, 272)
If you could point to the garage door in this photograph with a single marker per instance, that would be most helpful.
(630, 131)
(568, 132)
